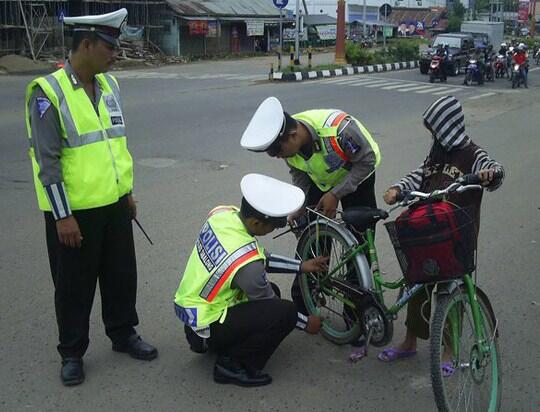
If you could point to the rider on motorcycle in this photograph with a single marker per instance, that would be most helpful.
(442, 52)
(520, 57)
(504, 49)
(480, 56)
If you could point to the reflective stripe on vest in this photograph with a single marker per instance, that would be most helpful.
(328, 167)
(333, 140)
(97, 168)
(73, 139)
(219, 277)
(223, 247)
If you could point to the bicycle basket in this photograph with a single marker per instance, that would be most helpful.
(434, 242)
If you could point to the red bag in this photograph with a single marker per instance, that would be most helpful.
(434, 241)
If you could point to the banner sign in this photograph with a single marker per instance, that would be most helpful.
(327, 32)
(198, 27)
(214, 29)
(255, 27)
(523, 11)
(410, 27)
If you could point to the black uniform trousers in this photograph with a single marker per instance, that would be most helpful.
(364, 195)
(107, 253)
(251, 332)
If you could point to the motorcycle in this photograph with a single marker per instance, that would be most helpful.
(436, 69)
(500, 66)
(490, 77)
(473, 74)
(518, 76)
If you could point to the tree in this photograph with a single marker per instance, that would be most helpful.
(481, 5)
(454, 23)
(458, 9)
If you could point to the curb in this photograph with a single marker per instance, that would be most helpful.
(375, 68)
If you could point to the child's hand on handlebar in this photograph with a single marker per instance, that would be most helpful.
(486, 176)
(390, 196)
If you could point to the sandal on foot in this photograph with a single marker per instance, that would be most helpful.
(447, 369)
(392, 354)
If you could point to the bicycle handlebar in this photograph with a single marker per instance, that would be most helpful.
(462, 184)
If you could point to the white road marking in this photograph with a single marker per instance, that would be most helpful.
(410, 89)
(481, 95)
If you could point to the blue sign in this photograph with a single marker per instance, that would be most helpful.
(61, 15)
(280, 4)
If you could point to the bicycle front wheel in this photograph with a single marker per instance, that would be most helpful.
(464, 376)
(341, 323)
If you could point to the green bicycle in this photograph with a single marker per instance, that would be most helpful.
(350, 297)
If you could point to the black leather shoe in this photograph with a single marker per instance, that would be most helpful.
(137, 348)
(72, 372)
(227, 370)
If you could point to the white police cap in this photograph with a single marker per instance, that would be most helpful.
(107, 26)
(265, 126)
(270, 196)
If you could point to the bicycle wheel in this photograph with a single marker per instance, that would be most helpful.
(475, 385)
(341, 322)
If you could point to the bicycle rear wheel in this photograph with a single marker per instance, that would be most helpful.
(475, 384)
(341, 322)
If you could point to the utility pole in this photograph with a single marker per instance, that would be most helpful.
(364, 18)
(340, 33)
(533, 19)
(297, 37)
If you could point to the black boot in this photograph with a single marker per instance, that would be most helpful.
(136, 347)
(72, 372)
(227, 370)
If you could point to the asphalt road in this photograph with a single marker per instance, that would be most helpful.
(184, 134)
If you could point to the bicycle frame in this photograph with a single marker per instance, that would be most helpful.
(368, 248)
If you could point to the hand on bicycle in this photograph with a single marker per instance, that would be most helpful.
(390, 196)
(317, 264)
(313, 324)
(328, 205)
(293, 216)
(486, 176)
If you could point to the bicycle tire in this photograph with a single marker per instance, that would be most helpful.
(467, 367)
(328, 330)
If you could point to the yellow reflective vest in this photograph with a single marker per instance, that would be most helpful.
(328, 166)
(96, 165)
(222, 248)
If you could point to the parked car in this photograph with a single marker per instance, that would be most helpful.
(460, 45)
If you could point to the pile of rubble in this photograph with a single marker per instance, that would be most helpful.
(144, 53)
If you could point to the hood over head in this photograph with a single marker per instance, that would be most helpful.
(446, 122)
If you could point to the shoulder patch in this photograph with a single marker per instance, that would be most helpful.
(43, 105)
(349, 144)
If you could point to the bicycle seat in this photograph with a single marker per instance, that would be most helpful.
(362, 217)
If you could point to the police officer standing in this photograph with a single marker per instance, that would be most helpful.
(83, 175)
(331, 156)
(224, 297)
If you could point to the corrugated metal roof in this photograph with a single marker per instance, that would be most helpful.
(224, 7)
(318, 19)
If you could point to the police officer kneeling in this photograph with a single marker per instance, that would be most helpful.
(224, 297)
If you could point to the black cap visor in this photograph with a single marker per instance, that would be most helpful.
(109, 39)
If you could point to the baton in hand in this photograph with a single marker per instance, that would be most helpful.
(142, 230)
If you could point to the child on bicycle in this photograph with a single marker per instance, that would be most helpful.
(452, 155)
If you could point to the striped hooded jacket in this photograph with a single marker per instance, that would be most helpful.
(446, 122)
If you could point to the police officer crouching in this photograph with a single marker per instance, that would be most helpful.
(83, 175)
(224, 298)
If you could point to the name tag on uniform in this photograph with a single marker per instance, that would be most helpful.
(113, 107)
